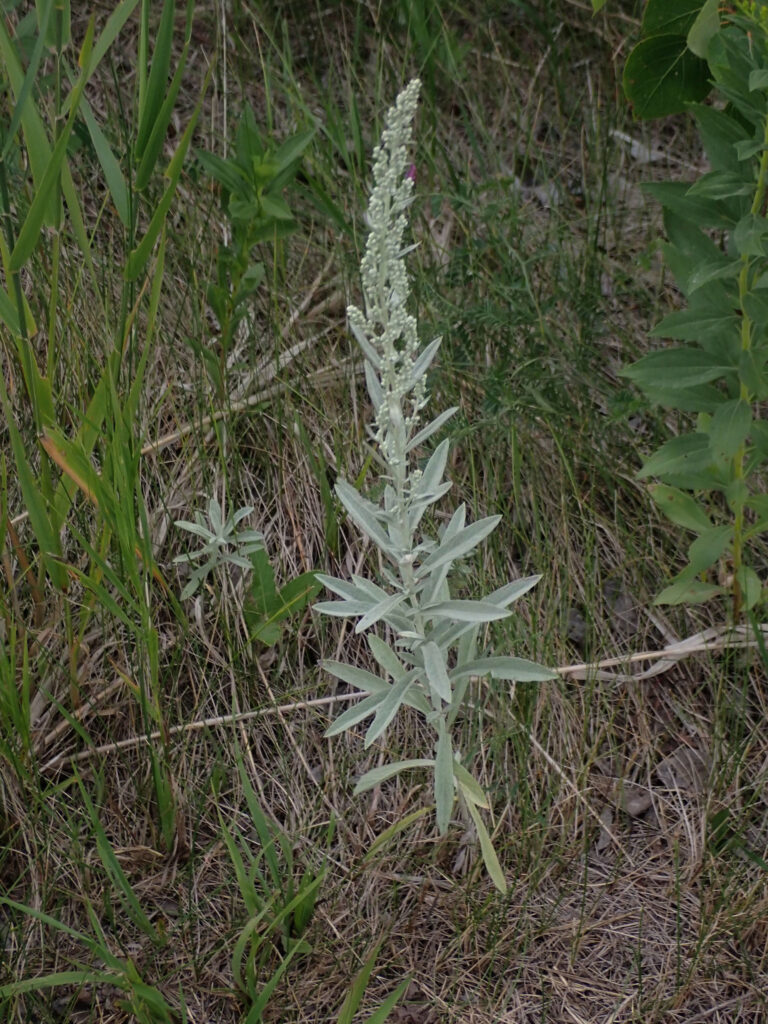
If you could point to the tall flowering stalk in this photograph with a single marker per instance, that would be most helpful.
(430, 651)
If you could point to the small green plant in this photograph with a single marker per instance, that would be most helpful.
(252, 181)
(433, 653)
(223, 544)
(713, 476)
(268, 606)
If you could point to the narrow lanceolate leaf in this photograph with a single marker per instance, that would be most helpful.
(681, 508)
(354, 676)
(424, 360)
(379, 611)
(387, 771)
(364, 514)
(466, 611)
(486, 848)
(676, 368)
(431, 428)
(388, 708)
(513, 669)
(455, 547)
(444, 788)
(688, 591)
(437, 672)
(709, 547)
(433, 471)
(352, 716)
(470, 788)
(385, 656)
(33, 223)
(343, 609)
(113, 175)
(512, 592)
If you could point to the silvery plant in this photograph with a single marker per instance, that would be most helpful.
(423, 640)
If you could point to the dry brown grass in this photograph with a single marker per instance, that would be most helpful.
(622, 908)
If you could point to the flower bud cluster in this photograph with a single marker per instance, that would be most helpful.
(386, 325)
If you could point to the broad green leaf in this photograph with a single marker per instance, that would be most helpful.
(720, 132)
(675, 196)
(662, 76)
(755, 305)
(709, 547)
(490, 859)
(437, 672)
(384, 772)
(263, 592)
(720, 185)
(750, 236)
(451, 548)
(718, 269)
(675, 368)
(705, 26)
(688, 591)
(444, 787)
(74, 463)
(109, 164)
(682, 509)
(465, 611)
(684, 461)
(676, 18)
(729, 428)
(751, 588)
(504, 667)
(387, 709)
(758, 78)
(696, 323)
(357, 989)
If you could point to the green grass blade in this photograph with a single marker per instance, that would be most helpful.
(109, 165)
(138, 258)
(30, 231)
(152, 100)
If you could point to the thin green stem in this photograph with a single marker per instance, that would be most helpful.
(745, 394)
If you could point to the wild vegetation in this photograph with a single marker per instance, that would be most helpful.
(214, 425)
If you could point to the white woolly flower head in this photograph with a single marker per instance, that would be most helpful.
(386, 331)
